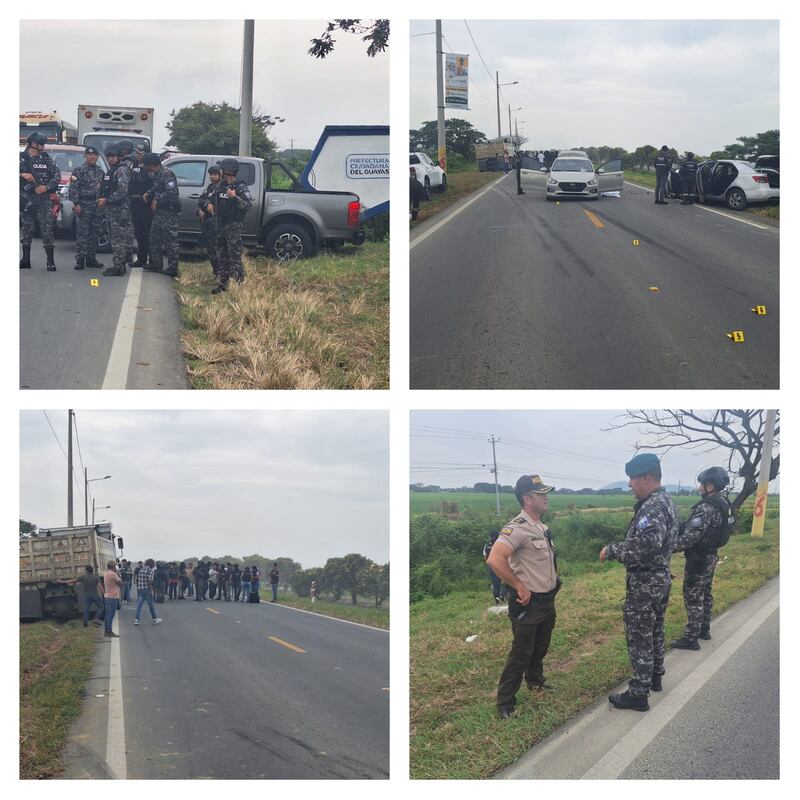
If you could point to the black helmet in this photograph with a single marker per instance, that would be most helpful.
(214, 168)
(125, 145)
(664, 148)
(716, 476)
(112, 150)
(151, 159)
(229, 165)
(37, 138)
(689, 155)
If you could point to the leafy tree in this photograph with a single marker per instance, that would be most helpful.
(460, 137)
(767, 143)
(347, 574)
(26, 528)
(287, 567)
(376, 583)
(375, 31)
(301, 580)
(214, 128)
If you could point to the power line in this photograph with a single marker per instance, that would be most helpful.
(488, 71)
(55, 436)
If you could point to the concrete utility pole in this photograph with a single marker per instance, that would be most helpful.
(69, 468)
(759, 512)
(510, 132)
(497, 81)
(85, 496)
(441, 141)
(494, 470)
(246, 111)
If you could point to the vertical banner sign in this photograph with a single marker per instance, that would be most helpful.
(456, 78)
(760, 509)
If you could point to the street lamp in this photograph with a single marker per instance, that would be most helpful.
(86, 481)
(510, 130)
(97, 508)
(497, 81)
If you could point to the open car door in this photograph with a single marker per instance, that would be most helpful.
(705, 173)
(610, 176)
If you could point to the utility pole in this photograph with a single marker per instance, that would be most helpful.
(85, 496)
(497, 81)
(510, 132)
(291, 148)
(516, 134)
(69, 468)
(759, 512)
(246, 111)
(441, 142)
(93, 511)
(494, 470)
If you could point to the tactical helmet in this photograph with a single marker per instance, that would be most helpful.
(716, 476)
(229, 165)
(112, 150)
(690, 155)
(151, 160)
(214, 168)
(37, 137)
(125, 145)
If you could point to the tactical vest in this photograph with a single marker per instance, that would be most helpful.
(717, 536)
(39, 167)
(227, 208)
(110, 183)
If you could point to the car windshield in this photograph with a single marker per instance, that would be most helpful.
(67, 161)
(572, 165)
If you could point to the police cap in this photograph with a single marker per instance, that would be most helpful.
(37, 138)
(112, 150)
(664, 148)
(531, 483)
(642, 463)
(151, 159)
(717, 476)
(91, 151)
(141, 148)
(229, 165)
(125, 145)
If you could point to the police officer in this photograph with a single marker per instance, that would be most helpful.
(231, 204)
(646, 554)
(663, 164)
(708, 528)
(128, 162)
(141, 218)
(518, 165)
(84, 192)
(208, 217)
(38, 181)
(165, 206)
(114, 199)
(688, 173)
(523, 557)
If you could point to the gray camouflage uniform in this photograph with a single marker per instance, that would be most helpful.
(164, 228)
(209, 225)
(646, 554)
(231, 212)
(700, 565)
(37, 206)
(84, 191)
(118, 214)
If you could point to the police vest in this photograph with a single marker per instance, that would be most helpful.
(717, 536)
(662, 164)
(110, 183)
(39, 167)
(227, 207)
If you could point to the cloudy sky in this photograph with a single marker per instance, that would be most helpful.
(170, 64)
(694, 85)
(303, 484)
(568, 449)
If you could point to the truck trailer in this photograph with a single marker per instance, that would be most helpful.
(101, 126)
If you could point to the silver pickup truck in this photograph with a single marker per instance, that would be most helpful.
(289, 223)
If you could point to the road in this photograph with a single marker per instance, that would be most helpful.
(717, 717)
(513, 292)
(226, 690)
(121, 334)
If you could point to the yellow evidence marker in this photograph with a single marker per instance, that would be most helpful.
(736, 336)
(635, 242)
(654, 289)
(94, 282)
(760, 310)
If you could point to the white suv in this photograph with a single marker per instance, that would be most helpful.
(429, 174)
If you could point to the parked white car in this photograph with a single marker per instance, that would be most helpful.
(428, 173)
(735, 183)
(572, 174)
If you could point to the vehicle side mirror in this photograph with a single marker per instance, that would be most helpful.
(544, 169)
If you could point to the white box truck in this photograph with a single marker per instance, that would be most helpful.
(101, 126)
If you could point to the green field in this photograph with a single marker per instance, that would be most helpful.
(363, 613)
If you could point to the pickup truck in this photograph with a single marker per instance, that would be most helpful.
(429, 174)
(288, 221)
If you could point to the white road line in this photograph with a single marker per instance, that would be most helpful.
(325, 616)
(442, 222)
(119, 359)
(614, 763)
(712, 210)
(116, 758)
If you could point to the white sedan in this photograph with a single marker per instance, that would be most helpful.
(736, 183)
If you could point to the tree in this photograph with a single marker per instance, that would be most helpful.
(287, 567)
(301, 580)
(767, 143)
(347, 574)
(375, 31)
(460, 137)
(739, 431)
(214, 128)
(376, 583)
(26, 529)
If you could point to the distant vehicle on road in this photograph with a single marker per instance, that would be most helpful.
(429, 174)
(573, 175)
(54, 554)
(286, 220)
(730, 181)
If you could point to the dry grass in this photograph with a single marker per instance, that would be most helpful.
(316, 324)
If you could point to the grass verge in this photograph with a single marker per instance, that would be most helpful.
(455, 730)
(320, 323)
(54, 662)
(459, 185)
(377, 617)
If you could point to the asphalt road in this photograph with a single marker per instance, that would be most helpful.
(514, 292)
(68, 327)
(718, 716)
(211, 695)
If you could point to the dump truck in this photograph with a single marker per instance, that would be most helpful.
(53, 554)
(490, 154)
(101, 126)
(57, 130)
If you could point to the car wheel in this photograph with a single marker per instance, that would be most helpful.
(427, 188)
(443, 187)
(288, 242)
(736, 199)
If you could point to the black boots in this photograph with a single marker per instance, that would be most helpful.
(684, 643)
(51, 264)
(91, 261)
(219, 288)
(114, 271)
(79, 262)
(25, 261)
(626, 700)
(655, 684)
(704, 634)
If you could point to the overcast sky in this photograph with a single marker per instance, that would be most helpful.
(568, 449)
(170, 64)
(303, 484)
(694, 85)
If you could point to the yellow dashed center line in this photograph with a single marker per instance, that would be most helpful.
(594, 218)
(213, 610)
(286, 644)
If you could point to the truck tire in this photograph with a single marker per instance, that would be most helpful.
(64, 608)
(288, 242)
(427, 188)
